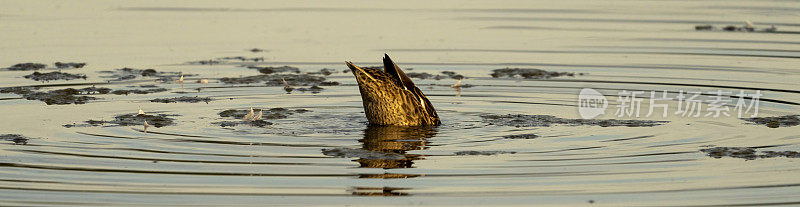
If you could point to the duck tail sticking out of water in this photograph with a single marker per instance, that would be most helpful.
(391, 98)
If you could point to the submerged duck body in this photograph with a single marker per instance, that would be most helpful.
(391, 98)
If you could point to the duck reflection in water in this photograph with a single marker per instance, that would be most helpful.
(396, 140)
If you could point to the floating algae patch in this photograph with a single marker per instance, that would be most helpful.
(312, 89)
(19, 90)
(134, 119)
(256, 123)
(132, 73)
(242, 58)
(485, 153)
(277, 80)
(424, 75)
(15, 138)
(94, 90)
(269, 114)
(271, 70)
(324, 71)
(70, 95)
(521, 120)
(521, 136)
(776, 121)
(294, 80)
(158, 120)
(90, 123)
(273, 113)
(745, 28)
(58, 97)
(65, 96)
(27, 66)
(37, 76)
(747, 153)
(62, 65)
(361, 153)
(238, 114)
(138, 91)
(244, 80)
(453, 75)
(528, 73)
(185, 99)
(224, 60)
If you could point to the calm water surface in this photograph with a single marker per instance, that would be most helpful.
(618, 45)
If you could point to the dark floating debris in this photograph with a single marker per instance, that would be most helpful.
(521, 120)
(329, 83)
(704, 27)
(138, 91)
(271, 70)
(312, 89)
(256, 123)
(256, 50)
(135, 119)
(222, 60)
(776, 121)
(185, 99)
(324, 71)
(747, 27)
(273, 113)
(243, 59)
(71, 95)
(277, 80)
(361, 153)
(521, 136)
(288, 77)
(132, 73)
(486, 153)
(37, 76)
(94, 90)
(61, 65)
(249, 117)
(747, 153)
(89, 123)
(729, 28)
(453, 75)
(528, 73)
(424, 75)
(65, 96)
(19, 90)
(205, 62)
(27, 66)
(16, 138)
(244, 80)
(294, 80)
